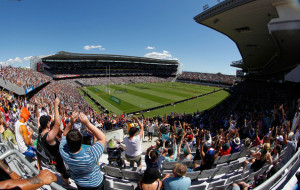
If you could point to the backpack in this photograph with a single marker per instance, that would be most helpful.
(42, 152)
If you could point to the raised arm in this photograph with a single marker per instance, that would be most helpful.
(71, 123)
(37, 112)
(53, 132)
(100, 136)
(141, 126)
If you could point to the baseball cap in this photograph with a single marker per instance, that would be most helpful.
(280, 138)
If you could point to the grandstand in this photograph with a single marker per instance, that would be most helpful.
(255, 114)
(65, 64)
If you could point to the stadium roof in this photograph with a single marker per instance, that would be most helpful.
(62, 55)
(266, 32)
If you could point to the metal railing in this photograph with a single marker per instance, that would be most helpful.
(280, 176)
(24, 161)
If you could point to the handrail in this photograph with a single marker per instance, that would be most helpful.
(270, 182)
(23, 159)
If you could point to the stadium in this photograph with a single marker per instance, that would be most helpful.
(102, 121)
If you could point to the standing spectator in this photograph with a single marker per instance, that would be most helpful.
(83, 163)
(133, 145)
(50, 141)
(178, 182)
(151, 127)
(23, 136)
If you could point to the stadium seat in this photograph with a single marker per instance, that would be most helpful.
(188, 163)
(233, 179)
(234, 156)
(112, 171)
(206, 174)
(235, 166)
(132, 175)
(222, 170)
(198, 187)
(224, 159)
(123, 186)
(244, 153)
(168, 165)
(221, 187)
(216, 183)
(193, 175)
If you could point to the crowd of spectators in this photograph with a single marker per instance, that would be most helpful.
(123, 80)
(261, 115)
(23, 77)
(207, 77)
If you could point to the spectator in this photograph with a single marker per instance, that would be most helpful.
(133, 149)
(51, 143)
(153, 160)
(23, 136)
(172, 153)
(235, 145)
(178, 182)
(151, 180)
(114, 153)
(259, 158)
(83, 163)
(151, 127)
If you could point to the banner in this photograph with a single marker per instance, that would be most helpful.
(115, 99)
(29, 90)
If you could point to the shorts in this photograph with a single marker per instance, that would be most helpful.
(136, 159)
(30, 152)
(150, 134)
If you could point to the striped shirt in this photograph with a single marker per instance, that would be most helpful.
(84, 169)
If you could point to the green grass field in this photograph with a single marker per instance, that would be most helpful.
(135, 97)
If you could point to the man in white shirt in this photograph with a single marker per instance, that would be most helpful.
(133, 142)
(151, 127)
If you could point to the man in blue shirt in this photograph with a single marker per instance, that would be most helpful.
(83, 163)
(179, 182)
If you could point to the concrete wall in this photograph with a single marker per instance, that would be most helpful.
(12, 87)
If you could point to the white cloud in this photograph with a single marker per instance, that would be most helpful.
(12, 61)
(89, 47)
(161, 55)
(150, 47)
(27, 58)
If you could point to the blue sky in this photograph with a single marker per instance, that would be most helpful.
(122, 27)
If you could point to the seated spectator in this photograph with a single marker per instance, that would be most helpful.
(235, 145)
(240, 186)
(151, 180)
(225, 150)
(208, 157)
(11, 180)
(172, 153)
(153, 160)
(186, 152)
(23, 136)
(164, 133)
(114, 154)
(179, 181)
(133, 149)
(83, 163)
(259, 158)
